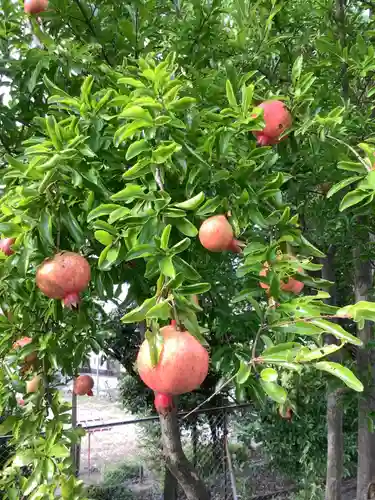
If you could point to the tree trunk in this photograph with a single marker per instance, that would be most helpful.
(176, 461)
(170, 486)
(335, 445)
(366, 404)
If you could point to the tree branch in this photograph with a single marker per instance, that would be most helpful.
(92, 29)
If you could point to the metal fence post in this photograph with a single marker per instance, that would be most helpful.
(225, 431)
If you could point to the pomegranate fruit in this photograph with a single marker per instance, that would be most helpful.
(35, 6)
(216, 235)
(277, 119)
(163, 403)
(30, 358)
(83, 385)
(182, 365)
(6, 245)
(64, 276)
(33, 384)
(287, 414)
(291, 285)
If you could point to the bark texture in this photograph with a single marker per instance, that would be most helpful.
(366, 404)
(335, 439)
(178, 464)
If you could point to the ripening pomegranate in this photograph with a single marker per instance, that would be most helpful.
(182, 365)
(6, 245)
(83, 385)
(64, 276)
(163, 403)
(31, 358)
(35, 6)
(287, 414)
(291, 285)
(216, 234)
(33, 384)
(277, 119)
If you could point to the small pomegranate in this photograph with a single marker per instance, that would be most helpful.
(33, 384)
(6, 246)
(291, 285)
(287, 414)
(35, 6)
(216, 234)
(83, 385)
(182, 365)
(21, 402)
(64, 276)
(163, 403)
(277, 119)
(31, 358)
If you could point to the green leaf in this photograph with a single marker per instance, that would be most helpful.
(337, 331)
(297, 68)
(131, 192)
(165, 237)
(45, 227)
(181, 246)
(103, 237)
(186, 227)
(155, 345)
(341, 185)
(139, 313)
(311, 248)
(33, 480)
(188, 271)
(353, 198)
(195, 289)
(105, 209)
(140, 251)
(192, 203)
(9, 229)
(141, 168)
(243, 373)
(131, 82)
(209, 207)
(136, 148)
(307, 354)
(164, 152)
(162, 310)
(341, 372)
(230, 94)
(72, 225)
(59, 451)
(136, 112)
(167, 267)
(269, 375)
(274, 391)
(181, 104)
(118, 214)
(128, 130)
(24, 457)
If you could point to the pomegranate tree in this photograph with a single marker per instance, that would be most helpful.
(216, 235)
(182, 365)
(83, 385)
(277, 119)
(35, 6)
(6, 246)
(64, 276)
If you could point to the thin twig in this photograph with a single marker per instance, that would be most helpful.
(358, 156)
(257, 336)
(92, 29)
(158, 179)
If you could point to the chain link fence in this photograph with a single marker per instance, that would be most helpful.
(125, 459)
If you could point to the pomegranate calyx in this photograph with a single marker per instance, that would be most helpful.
(90, 393)
(163, 403)
(71, 301)
(236, 246)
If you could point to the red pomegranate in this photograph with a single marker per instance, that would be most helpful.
(30, 358)
(83, 385)
(64, 276)
(182, 365)
(35, 6)
(216, 234)
(6, 244)
(291, 285)
(277, 119)
(163, 403)
(287, 414)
